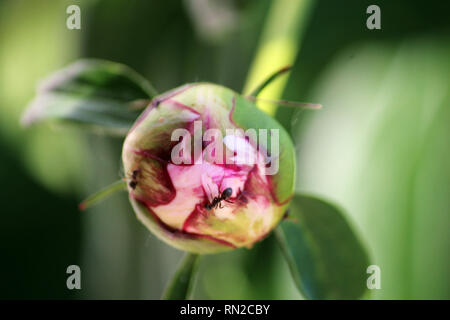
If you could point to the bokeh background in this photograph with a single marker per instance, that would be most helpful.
(379, 148)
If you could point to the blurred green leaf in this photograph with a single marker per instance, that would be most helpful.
(380, 148)
(102, 95)
(324, 256)
(181, 284)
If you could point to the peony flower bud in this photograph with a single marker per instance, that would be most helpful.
(207, 170)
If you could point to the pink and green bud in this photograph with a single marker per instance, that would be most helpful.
(207, 171)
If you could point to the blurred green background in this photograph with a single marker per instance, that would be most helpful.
(379, 148)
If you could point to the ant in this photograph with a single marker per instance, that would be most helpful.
(216, 202)
(133, 183)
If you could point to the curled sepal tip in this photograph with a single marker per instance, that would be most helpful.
(102, 194)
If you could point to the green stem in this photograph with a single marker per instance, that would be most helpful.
(181, 284)
(278, 46)
(95, 198)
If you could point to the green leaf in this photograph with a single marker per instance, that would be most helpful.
(324, 255)
(181, 284)
(100, 94)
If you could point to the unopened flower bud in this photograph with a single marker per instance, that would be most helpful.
(207, 171)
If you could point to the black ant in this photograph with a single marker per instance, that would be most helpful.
(133, 183)
(216, 202)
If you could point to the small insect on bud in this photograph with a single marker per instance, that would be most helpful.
(216, 202)
(133, 184)
(227, 193)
